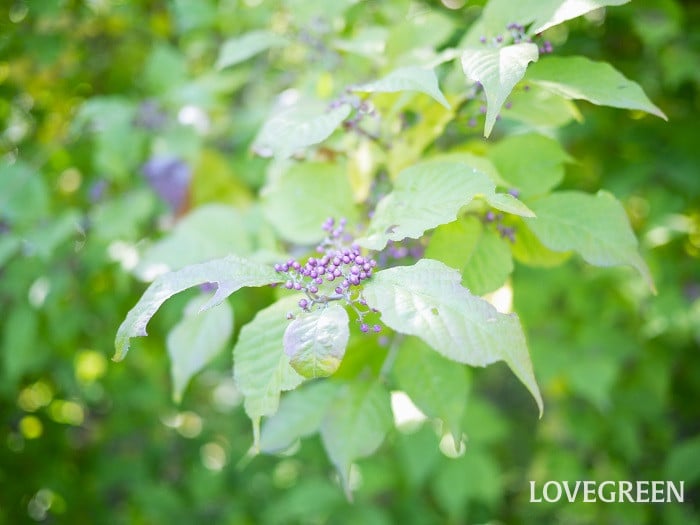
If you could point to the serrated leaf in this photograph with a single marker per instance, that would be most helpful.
(315, 342)
(407, 79)
(229, 273)
(292, 129)
(300, 414)
(498, 70)
(355, 424)
(286, 201)
(208, 232)
(531, 163)
(436, 385)
(427, 300)
(595, 226)
(196, 340)
(260, 367)
(425, 196)
(598, 82)
(236, 50)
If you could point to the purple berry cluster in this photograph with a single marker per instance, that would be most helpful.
(397, 251)
(362, 110)
(334, 276)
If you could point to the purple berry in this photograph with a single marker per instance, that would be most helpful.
(303, 303)
(338, 290)
(297, 286)
(364, 328)
(318, 280)
(289, 285)
(377, 328)
(313, 288)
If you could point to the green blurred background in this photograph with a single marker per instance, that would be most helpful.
(90, 90)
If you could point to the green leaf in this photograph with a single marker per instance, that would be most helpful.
(437, 386)
(302, 198)
(355, 424)
(426, 300)
(498, 70)
(528, 249)
(541, 108)
(315, 342)
(260, 367)
(531, 163)
(229, 273)
(236, 50)
(196, 340)
(594, 226)
(481, 255)
(542, 14)
(300, 414)
(598, 82)
(407, 79)
(427, 195)
(292, 129)
(208, 232)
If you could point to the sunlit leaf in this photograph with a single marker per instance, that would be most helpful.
(427, 195)
(290, 130)
(407, 79)
(315, 342)
(595, 226)
(427, 300)
(229, 273)
(597, 82)
(498, 70)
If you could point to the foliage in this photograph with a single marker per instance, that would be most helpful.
(208, 148)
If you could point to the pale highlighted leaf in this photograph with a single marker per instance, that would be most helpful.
(498, 70)
(427, 195)
(595, 226)
(300, 414)
(229, 273)
(538, 14)
(261, 369)
(315, 342)
(196, 340)
(597, 82)
(436, 385)
(427, 300)
(292, 129)
(355, 424)
(236, 50)
(407, 79)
